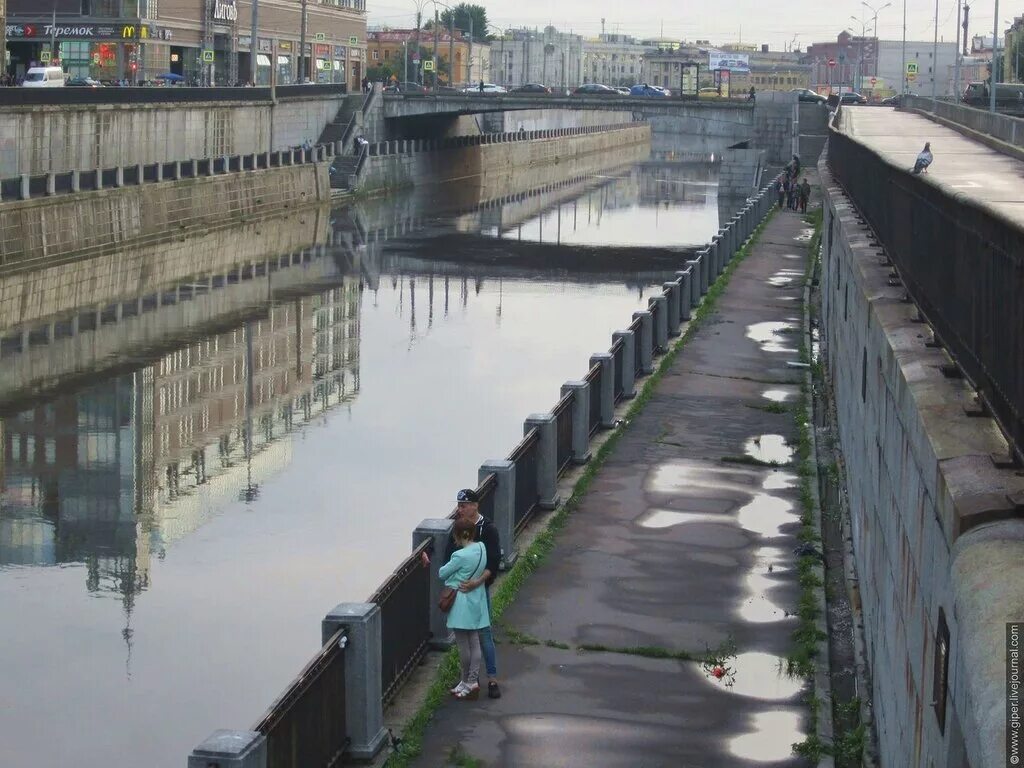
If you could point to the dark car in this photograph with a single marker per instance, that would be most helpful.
(595, 89)
(82, 82)
(809, 96)
(648, 90)
(852, 97)
(531, 88)
(408, 87)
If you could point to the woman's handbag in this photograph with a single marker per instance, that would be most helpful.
(447, 598)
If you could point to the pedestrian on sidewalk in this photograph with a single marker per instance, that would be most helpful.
(470, 612)
(468, 508)
(780, 190)
(804, 194)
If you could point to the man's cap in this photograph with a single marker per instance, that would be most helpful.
(467, 494)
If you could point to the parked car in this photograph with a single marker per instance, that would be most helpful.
(708, 92)
(488, 88)
(809, 96)
(406, 87)
(622, 89)
(1009, 97)
(644, 89)
(852, 97)
(531, 88)
(595, 89)
(44, 77)
(83, 82)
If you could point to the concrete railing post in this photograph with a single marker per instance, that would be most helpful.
(694, 267)
(364, 711)
(626, 371)
(119, 176)
(195, 167)
(685, 293)
(504, 472)
(715, 251)
(607, 391)
(159, 172)
(140, 174)
(26, 188)
(231, 749)
(439, 531)
(76, 181)
(672, 290)
(646, 341)
(661, 327)
(51, 184)
(580, 419)
(547, 457)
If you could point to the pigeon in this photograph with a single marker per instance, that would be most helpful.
(924, 159)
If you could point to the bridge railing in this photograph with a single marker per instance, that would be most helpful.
(961, 262)
(389, 634)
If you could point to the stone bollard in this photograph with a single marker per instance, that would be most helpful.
(646, 341)
(607, 391)
(672, 291)
(231, 749)
(626, 372)
(504, 472)
(547, 457)
(685, 293)
(694, 266)
(440, 531)
(364, 712)
(661, 326)
(580, 419)
(119, 176)
(76, 181)
(51, 184)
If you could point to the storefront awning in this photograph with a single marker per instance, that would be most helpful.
(284, 60)
(262, 60)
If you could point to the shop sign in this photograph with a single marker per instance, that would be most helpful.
(284, 45)
(323, 50)
(225, 10)
(44, 31)
(245, 40)
(264, 45)
(339, 52)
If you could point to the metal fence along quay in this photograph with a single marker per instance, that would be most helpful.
(961, 263)
(370, 648)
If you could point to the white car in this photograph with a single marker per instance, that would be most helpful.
(44, 77)
(488, 88)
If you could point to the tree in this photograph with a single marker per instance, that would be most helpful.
(464, 12)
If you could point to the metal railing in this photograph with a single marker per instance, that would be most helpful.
(524, 456)
(306, 725)
(962, 263)
(22, 97)
(618, 350)
(563, 429)
(485, 490)
(593, 378)
(404, 601)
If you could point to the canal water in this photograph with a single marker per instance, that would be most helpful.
(173, 527)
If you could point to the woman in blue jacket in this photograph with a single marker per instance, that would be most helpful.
(469, 613)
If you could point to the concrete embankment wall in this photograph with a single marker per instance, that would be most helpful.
(43, 139)
(492, 167)
(44, 231)
(940, 567)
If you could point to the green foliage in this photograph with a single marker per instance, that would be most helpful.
(468, 18)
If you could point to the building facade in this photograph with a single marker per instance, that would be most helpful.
(386, 52)
(205, 43)
(613, 60)
(529, 56)
(930, 69)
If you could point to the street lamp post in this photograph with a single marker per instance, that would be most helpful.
(903, 52)
(874, 28)
(995, 48)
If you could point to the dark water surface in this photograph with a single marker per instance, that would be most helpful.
(173, 527)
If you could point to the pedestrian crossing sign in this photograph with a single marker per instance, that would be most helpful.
(911, 67)
(208, 56)
(428, 65)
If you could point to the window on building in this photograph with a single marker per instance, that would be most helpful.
(387, 55)
(376, 55)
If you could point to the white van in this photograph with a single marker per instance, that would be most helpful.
(44, 77)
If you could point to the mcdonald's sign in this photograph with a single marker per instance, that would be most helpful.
(132, 32)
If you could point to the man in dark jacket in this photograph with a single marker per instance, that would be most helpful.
(468, 508)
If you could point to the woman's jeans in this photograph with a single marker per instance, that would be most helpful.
(468, 641)
(487, 644)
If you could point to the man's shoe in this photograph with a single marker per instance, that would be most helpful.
(493, 691)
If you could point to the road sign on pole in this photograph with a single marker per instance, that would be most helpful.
(208, 56)
(873, 81)
(321, 37)
(911, 68)
(428, 65)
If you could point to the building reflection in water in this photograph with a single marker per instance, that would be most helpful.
(112, 474)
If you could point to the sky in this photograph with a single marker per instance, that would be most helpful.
(747, 21)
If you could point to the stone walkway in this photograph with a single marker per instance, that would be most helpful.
(683, 543)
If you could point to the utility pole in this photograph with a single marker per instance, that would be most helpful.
(956, 58)
(995, 48)
(469, 62)
(451, 48)
(405, 56)
(935, 58)
(436, 23)
(252, 42)
(903, 53)
(302, 45)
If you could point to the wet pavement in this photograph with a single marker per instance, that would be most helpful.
(683, 543)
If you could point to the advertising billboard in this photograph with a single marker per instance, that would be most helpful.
(733, 62)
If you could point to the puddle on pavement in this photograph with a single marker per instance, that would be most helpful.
(666, 518)
(785, 278)
(771, 737)
(688, 478)
(776, 395)
(804, 236)
(766, 514)
(779, 481)
(760, 676)
(770, 335)
(769, 448)
(757, 608)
